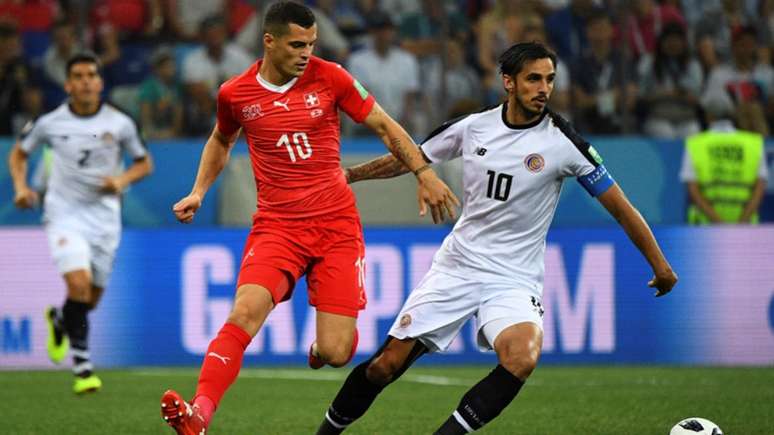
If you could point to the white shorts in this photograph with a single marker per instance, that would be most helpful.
(438, 308)
(73, 250)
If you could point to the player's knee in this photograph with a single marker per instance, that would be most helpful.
(79, 290)
(336, 354)
(519, 359)
(520, 364)
(382, 369)
(242, 316)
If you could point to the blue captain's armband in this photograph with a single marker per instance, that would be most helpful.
(597, 181)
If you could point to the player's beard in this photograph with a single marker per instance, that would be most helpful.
(526, 111)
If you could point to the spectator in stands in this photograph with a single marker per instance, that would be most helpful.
(724, 168)
(670, 83)
(602, 91)
(108, 49)
(421, 32)
(400, 9)
(14, 78)
(124, 64)
(694, 10)
(463, 85)
(764, 25)
(567, 29)
(498, 29)
(131, 19)
(64, 46)
(331, 43)
(31, 108)
(185, 17)
(714, 32)
(388, 71)
(217, 59)
(30, 15)
(198, 114)
(206, 68)
(161, 108)
(646, 21)
(348, 16)
(747, 80)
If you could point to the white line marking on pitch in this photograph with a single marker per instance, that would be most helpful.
(314, 376)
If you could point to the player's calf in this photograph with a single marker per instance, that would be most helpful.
(353, 400)
(482, 403)
(383, 369)
(521, 365)
(360, 390)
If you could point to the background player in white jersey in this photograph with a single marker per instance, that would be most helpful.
(82, 205)
(515, 157)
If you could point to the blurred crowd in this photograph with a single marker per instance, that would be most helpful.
(625, 67)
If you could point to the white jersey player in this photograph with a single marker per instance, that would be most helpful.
(490, 267)
(82, 205)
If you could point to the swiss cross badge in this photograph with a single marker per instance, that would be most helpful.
(311, 99)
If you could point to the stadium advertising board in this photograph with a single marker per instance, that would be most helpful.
(172, 289)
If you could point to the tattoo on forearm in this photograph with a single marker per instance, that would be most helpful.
(386, 166)
(398, 151)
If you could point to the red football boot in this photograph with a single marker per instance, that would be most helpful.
(181, 416)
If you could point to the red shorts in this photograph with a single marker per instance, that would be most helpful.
(329, 250)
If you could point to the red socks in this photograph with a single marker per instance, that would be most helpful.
(220, 368)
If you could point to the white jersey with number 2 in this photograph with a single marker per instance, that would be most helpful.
(86, 149)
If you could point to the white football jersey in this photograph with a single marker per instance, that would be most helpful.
(85, 149)
(512, 177)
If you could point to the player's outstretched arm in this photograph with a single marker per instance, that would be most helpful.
(214, 158)
(616, 203)
(386, 166)
(431, 190)
(24, 197)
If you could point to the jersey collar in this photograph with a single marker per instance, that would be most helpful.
(274, 88)
(520, 126)
(90, 115)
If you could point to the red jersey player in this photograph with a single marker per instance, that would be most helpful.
(287, 105)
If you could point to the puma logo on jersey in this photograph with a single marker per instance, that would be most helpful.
(480, 151)
(283, 104)
(223, 359)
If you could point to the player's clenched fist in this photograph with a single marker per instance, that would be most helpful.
(25, 198)
(663, 281)
(186, 208)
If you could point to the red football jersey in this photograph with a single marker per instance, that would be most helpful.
(292, 134)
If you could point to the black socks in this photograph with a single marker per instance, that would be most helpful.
(355, 397)
(76, 324)
(482, 403)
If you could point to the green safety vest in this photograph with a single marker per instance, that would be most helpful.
(726, 165)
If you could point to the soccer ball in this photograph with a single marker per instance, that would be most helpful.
(696, 426)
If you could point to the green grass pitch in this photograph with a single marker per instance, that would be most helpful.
(557, 400)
